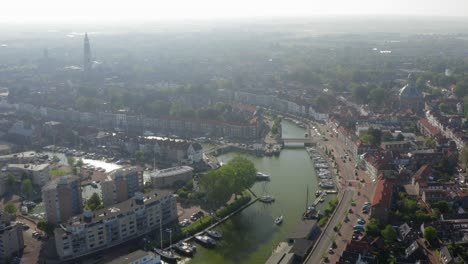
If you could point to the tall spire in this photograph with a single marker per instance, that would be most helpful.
(87, 54)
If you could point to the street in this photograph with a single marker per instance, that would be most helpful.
(354, 192)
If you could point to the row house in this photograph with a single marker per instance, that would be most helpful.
(448, 126)
(377, 163)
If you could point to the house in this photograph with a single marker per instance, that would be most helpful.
(452, 228)
(382, 199)
(414, 253)
(377, 163)
(357, 252)
(406, 234)
(445, 256)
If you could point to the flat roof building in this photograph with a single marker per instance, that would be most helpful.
(94, 231)
(167, 177)
(62, 199)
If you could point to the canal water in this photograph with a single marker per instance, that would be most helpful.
(251, 236)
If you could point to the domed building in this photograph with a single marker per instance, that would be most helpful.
(410, 97)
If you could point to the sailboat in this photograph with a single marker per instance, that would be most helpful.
(265, 198)
(166, 255)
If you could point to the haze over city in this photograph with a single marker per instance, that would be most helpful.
(249, 131)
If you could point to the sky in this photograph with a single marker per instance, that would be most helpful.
(142, 10)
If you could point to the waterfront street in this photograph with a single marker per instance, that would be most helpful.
(354, 192)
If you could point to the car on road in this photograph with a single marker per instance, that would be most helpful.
(36, 234)
(361, 221)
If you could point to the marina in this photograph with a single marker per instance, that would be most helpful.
(251, 235)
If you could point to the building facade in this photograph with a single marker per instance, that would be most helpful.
(111, 226)
(11, 239)
(121, 184)
(62, 199)
(167, 177)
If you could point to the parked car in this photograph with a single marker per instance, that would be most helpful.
(361, 221)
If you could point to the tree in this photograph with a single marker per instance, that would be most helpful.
(387, 136)
(377, 96)
(71, 161)
(80, 163)
(367, 138)
(400, 137)
(139, 156)
(244, 174)
(94, 202)
(360, 93)
(389, 234)
(10, 208)
(11, 180)
(463, 157)
(26, 187)
(430, 234)
(373, 228)
(46, 227)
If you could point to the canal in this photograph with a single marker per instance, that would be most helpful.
(251, 236)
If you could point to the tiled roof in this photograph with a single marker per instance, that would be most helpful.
(383, 192)
(423, 172)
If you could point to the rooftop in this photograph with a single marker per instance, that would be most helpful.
(383, 192)
(172, 171)
(29, 167)
(119, 209)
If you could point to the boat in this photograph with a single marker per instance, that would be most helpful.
(266, 199)
(205, 241)
(279, 220)
(214, 234)
(331, 191)
(318, 193)
(262, 176)
(166, 255)
(185, 249)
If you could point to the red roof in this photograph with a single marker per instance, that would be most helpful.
(423, 172)
(432, 129)
(383, 192)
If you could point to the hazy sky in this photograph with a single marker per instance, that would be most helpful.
(112, 10)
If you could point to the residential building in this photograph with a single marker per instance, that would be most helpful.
(167, 177)
(62, 199)
(138, 257)
(11, 238)
(38, 173)
(445, 256)
(94, 231)
(382, 199)
(452, 228)
(121, 184)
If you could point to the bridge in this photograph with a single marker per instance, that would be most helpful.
(308, 141)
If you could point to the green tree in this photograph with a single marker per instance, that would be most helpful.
(430, 234)
(26, 187)
(10, 208)
(45, 226)
(11, 180)
(463, 156)
(400, 137)
(367, 138)
(372, 227)
(389, 235)
(360, 93)
(139, 156)
(71, 161)
(79, 163)
(94, 202)
(387, 136)
(244, 174)
(377, 96)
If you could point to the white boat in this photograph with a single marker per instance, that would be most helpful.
(266, 199)
(279, 220)
(262, 176)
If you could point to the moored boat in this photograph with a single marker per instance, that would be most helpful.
(205, 241)
(166, 255)
(279, 220)
(185, 249)
(262, 176)
(266, 199)
(214, 234)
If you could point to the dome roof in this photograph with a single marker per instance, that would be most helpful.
(410, 91)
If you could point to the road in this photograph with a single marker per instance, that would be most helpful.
(354, 192)
(328, 234)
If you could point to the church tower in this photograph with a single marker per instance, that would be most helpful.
(86, 55)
